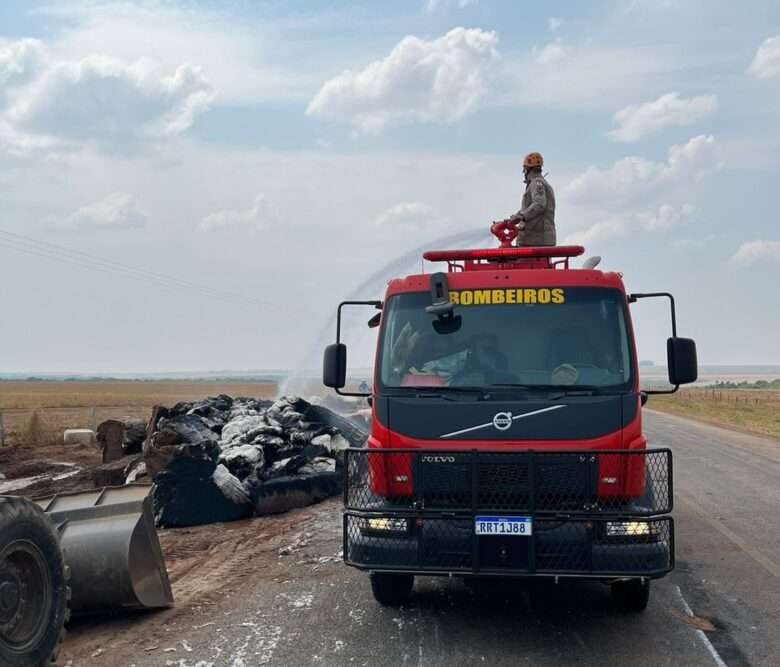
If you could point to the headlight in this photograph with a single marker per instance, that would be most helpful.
(387, 525)
(628, 529)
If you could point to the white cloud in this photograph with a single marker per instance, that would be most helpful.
(19, 60)
(636, 194)
(666, 217)
(634, 176)
(441, 80)
(116, 212)
(551, 53)
(599, 231)
(50, 102)
(670, 110)
(751, 252)
(581, 76)
(694, 243)
(260, 215)
(339, 245)
(554, 23)
(445, 79)
(431, 6)
(766, 62)
(103, 99)
(646, 7)
(408, 213)
(245, 60)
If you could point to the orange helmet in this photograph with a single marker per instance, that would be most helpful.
(533, 161)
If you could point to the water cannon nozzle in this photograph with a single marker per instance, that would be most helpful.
(505, 231)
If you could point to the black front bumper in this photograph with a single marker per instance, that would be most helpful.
(573, 547)
(573, 534)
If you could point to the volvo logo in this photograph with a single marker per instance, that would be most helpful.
(502, 421)
(437, 459)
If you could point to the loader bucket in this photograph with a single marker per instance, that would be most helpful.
(110, 544)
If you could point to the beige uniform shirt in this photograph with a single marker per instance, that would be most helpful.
(539, 214)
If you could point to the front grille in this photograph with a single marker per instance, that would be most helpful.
(504, 477)
(592, 513)
(503, 481)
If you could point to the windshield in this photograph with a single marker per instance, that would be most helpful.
(563, 337)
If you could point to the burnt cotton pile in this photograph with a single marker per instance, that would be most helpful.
(227, 458)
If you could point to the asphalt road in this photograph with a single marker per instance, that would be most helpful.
(720, 606)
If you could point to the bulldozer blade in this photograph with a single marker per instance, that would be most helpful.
(110, 544)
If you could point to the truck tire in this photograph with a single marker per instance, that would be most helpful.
(631, 595)
(33, 586)
(391, 590)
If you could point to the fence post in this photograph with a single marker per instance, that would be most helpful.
(93, 419)
(2, 431)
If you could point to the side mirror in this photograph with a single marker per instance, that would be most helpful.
(681, 360)
(334, 366)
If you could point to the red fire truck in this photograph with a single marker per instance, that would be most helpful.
(506, 432)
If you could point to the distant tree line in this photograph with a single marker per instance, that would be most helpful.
(758, 384)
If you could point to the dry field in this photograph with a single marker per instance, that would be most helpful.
(60, 405)
(756, 410)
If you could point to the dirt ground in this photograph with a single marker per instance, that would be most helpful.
(205, 564)
(35, 471)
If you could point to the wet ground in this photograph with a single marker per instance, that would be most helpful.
(274, 592)
(42, 470)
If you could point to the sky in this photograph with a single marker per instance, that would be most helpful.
(195, 185)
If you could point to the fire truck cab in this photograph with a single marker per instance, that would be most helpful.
(506, 431)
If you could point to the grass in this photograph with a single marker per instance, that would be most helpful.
(746, 409)
(33, 410)
(38, 432)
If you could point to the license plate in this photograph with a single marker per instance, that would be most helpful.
(517, 526)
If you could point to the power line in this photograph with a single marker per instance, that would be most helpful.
(47, 250)
(42, 248)
(107, 267)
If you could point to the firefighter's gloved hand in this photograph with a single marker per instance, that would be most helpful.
(519, 221)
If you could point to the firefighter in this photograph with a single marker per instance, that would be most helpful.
(536, 220)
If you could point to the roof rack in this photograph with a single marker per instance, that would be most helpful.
(523, 257)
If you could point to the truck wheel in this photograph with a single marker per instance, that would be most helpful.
(632, 595)
(33, 586)
(391, 589)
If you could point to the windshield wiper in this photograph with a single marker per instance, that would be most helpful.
(446, 392)
(565, 389)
